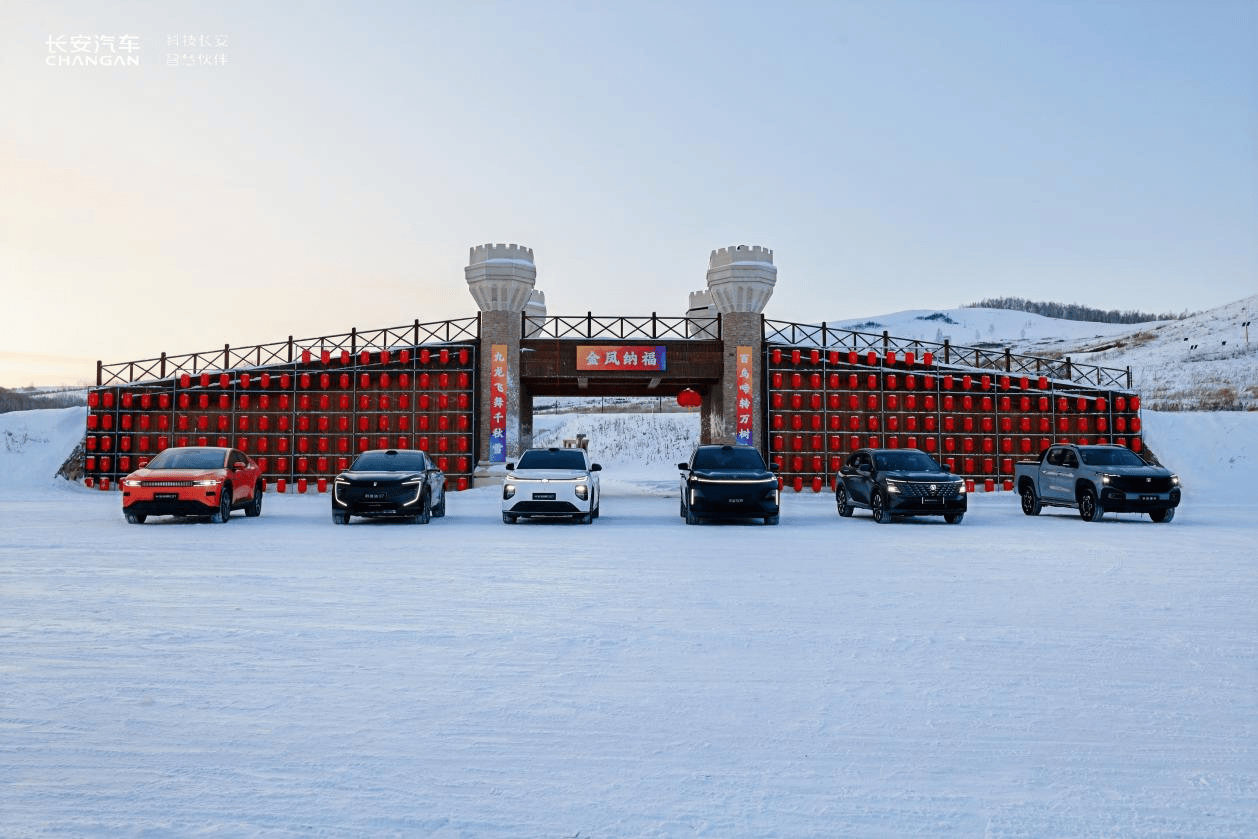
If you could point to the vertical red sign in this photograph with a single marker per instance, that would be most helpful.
(746, 402)
(498, 404)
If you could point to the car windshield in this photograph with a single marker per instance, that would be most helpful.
(1111, 457)
(905, 462)
(552, 459)
(728, 457)
(190, 459)
(389, 462)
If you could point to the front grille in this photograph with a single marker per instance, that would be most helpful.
(1137, 484)
(167, 483)
(934, 489)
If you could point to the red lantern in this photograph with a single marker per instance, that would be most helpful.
(689, 398)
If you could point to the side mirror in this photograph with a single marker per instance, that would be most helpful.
(864, 469)
(238, 465)
(947, 468)
(510, 467)
(775, 467)
(683, 466)
(596, 468)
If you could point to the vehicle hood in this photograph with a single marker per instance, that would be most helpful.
(919, 477)
(733, 474)
(1149, 471)
(382, 477)
(547, 474)
(147, 474)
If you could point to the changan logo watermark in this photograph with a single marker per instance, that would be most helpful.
(93, 51)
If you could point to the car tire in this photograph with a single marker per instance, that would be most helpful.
(954, 518)
(596, 511)
(1031, 504)
(879, 508)
(1089, 508)
(682, 508)
(224, 512)
(508, 518)
(255, 504)
(585, 518)
(135, 518)
(425, 510)
(439, 512)
(339, 517)
(1159, 516)
(840, 501)
(772, 520)
(691, 518)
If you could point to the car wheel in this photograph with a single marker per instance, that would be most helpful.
(682, 505)
(508, 518)
(879, 509)
(224, 507)
(771, 520)
(691, 518)
(587, 518)
(1160, 516)
(425, 510)
(840, 501)
(138, 518)
(339, 517)
(255, 505)
(1089, 509)
(954, 518)
(595, 513)
(440, 510)
(1031, 504)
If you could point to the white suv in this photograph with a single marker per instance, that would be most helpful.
(551, 482)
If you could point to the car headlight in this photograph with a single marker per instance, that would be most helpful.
(894, 487)
(508, 491)
(583, 492)
(207, 482)
(961, 487)
(128, 482)
(1174, 480)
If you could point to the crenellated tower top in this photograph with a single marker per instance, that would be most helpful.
(501, 277)
(741, 278)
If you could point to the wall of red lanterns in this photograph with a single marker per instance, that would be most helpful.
(302, 422)
(824, 404)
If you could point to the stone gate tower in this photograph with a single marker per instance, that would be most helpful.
(501, 280)
(740, 281)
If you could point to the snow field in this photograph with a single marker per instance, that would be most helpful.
(1007, 677)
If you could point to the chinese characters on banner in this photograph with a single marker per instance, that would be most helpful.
(620, 357)
(498, 404)
(745, 397)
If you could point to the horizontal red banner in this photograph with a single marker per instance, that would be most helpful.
(621, 357)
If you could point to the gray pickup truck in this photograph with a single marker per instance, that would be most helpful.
(1096, 480)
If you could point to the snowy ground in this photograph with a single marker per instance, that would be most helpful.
(1008, 677)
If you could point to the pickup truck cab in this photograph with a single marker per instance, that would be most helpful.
(1096, 480)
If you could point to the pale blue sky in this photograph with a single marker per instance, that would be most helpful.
(335, 171)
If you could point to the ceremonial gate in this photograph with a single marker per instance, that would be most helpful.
(463, 390)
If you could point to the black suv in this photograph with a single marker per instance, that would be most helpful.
(729, 482)
(899, 482)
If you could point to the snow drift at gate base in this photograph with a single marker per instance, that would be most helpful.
(1008, 677)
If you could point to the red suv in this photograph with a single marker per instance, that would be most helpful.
(193, 481)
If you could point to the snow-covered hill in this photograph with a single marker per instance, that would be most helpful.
(1203, 362)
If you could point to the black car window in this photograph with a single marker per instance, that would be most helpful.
(1111, 457)
(189, 459)
(906, 462)
(386, 462)
(557, 459)
(1068, 460)
(728, 457)
(1054, 457)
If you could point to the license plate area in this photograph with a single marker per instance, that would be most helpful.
(543, 496)
(375, 495)
(166, 496)
(1148, 498)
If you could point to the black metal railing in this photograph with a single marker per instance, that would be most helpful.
(286, 352)
(978, 358)
(590, 327)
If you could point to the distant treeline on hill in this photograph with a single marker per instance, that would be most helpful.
(1070, 311)
(12, 400)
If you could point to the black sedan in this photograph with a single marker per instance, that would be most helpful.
(899, 482)
(728, 482)
(390, 483)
